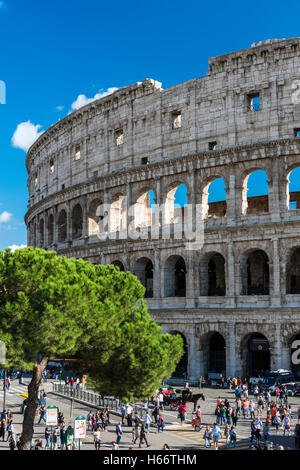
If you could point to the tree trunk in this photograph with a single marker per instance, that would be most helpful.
(29, 415)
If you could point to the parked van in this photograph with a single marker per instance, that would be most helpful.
(274, 378)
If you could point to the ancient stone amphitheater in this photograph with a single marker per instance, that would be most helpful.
(94, 176)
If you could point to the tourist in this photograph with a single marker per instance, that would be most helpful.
(207, 436)
(143, 436)
(216, 433)
(119, 432)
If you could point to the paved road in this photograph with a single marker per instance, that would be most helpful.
(175, 435)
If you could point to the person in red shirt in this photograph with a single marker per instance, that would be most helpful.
(182, 411)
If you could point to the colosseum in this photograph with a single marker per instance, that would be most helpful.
(104, 182)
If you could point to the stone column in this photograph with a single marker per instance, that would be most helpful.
(276, 359)
(273, 196)
(157, 274)
(231, 350)
(231, 199)
(230, 281)
(85, 222)
(190, 278)
(276, 274)
(69, 221)
(193, 357)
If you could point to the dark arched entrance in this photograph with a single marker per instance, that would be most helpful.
(258, 273)
(216, 275)
(182, 366)
(143, 269)
(175, 277)
(119, 264)
(258, 355)
(217, 354)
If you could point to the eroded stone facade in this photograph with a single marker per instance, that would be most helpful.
(245, 279)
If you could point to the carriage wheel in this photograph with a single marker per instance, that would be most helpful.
(174, 406)
(197, 428)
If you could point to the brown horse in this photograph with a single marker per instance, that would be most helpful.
(187, 395)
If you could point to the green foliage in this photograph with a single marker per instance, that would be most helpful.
(58, 307)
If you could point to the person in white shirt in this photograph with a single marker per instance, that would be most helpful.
(129, 411)
(216, 433)
(148, 421)
(286, 425)
(97, 439)
(161, 401)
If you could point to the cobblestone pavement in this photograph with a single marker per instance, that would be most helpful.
(175, 435)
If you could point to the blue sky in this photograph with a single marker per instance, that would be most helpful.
(51, 52)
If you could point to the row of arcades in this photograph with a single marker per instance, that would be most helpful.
(254, 274)
(253, 356)
(80, 223)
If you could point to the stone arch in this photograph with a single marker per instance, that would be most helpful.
(212, 274)
(293, 188)
(41, 233)
(143, 270)
(143, 210)
(118, 213)
(254, 271)
(181, 370)
(175, 277)
(94, 216)
(77, 222)
(50, 229)
(174, 208)
(293, 272)
(118, 264)
(255, 354)
(62, 226)
(214, 197)
(255, 195)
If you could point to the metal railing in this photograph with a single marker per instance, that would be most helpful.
(94, 399)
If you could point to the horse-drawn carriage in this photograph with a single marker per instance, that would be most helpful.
(179, 397)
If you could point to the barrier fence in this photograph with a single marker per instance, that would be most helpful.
(94, 399)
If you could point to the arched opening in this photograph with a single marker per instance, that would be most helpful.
(175, 277)
(181, 371)
(119, 264)
(62, 226)
(118, 213)
(143, 269)
(144, 209)
(77, 221)
(176, 200)
(50, 228)
(293, 189)
(216, 276)
(217, 354)
(293, 273)
(295, 367)
(255, 192)
(214, 199)
(94, 217)
(41, 233)
(256, 354)
(255, 273)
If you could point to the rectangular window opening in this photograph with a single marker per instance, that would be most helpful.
(293, 205)
(212, 145)
(77, 153)
(51, 166)
(254, 102)
(119, 137)
(297, 132)
(176, 120)
(144, 161)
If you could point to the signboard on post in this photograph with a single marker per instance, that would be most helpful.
(51, 415)
(80, 427)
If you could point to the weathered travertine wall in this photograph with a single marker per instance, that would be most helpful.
(143, 138)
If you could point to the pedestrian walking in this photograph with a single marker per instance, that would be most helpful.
(2, 429)
(233, 437)
(119, 432)
(143, 436)
(216, 434)
(207, 436)
(97, 439)
(160, 424)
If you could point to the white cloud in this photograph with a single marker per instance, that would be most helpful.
(59, 108)
(1, 4)
(82, 100)
(25, 134)
(5, 217)
(16, 247)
